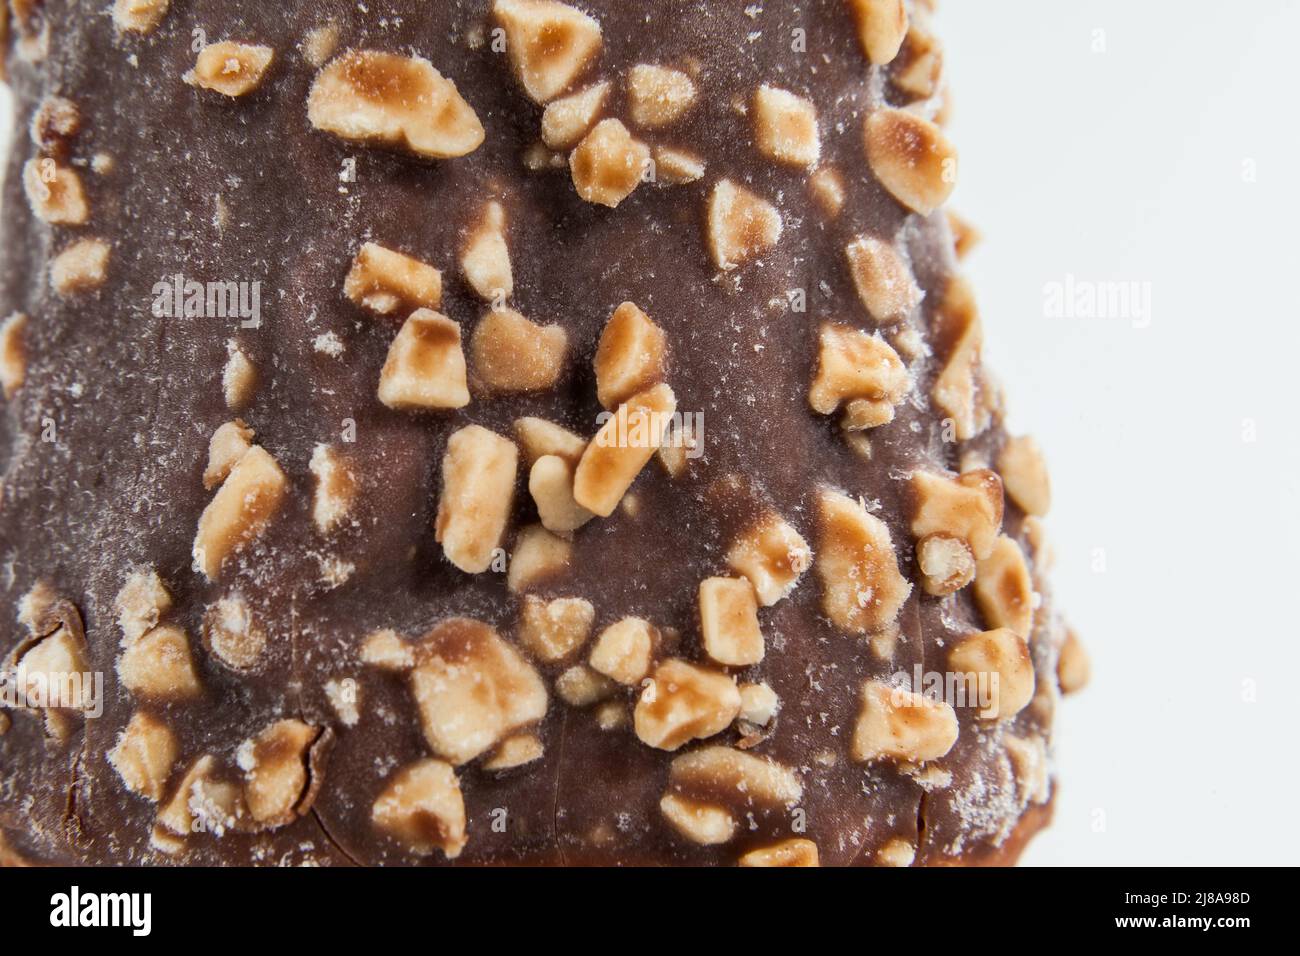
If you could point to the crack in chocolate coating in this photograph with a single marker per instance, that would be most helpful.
(244, 189)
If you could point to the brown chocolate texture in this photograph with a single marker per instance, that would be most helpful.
(104, 443)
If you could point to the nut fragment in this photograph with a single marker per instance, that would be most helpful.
(658, 95)
(621, 449)
(1029, 761)
(140, 602)
(625, 650)
(138, 16)
(759, 704)
(232, 635)
(729, 622)
(240, 511)
(741, 226)
(565, 121)
(54, 124)
(684, 703)
(335, 488)
(472, 689)
(882, 26)
(741, 783)
(54, 192)
(512, 354)
(478, 487)
(229, 443)
(967, 507)
(895, 724)
(677, 166)
(390, 282)
(550, 482)
(785, 127)
(580, 686)
(920, 74)
(946, 564)
(1024, 473)
(1003, 589)
(703, 823)
(883, 280)
(320, 43)
(1073, 669)
(230, 68)
(425, 367)
(279, 784)
(608, 164)
(514, 752)
(862, 370)
(862, 588)
(555, 629)
(794, 852)
(538, 556)
(159, 666)
(144, 755)
(486, 259)
(912, 159)
(201, 801)
(13, 354)
(827, 186)
(772, 555)
(386, 650)
(403, 102)
(51, 672)
(80, 267)
(549, 44)
(999, 662)
(964, 234)
(540, 438)
(897, 852)
(422, 807)
(238, 378)
(630, 356)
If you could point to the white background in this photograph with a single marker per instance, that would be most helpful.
(1156, 142)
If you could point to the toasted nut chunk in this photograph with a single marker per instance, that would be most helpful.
(512, 354)
(538, 556)
(795, 852)
(335, 488)
(538, 159)
(550, 44)
(550, 482)
(703, 823)
(862, 589)
(35, 607)
(425, 367)
(658, 95)
(1000, 661)
(625, 650)
(140, 602)
(1003, 589)
(230, 68)
(319, 44)
(729, 621)
(514, 752)
(580, 686)
(386, 650)
(860, 369)
(912, 159)
(895, 724)
(611, 715)
(138, 16)
(740, 225)
(566, 121)
(389, 282)
(473, 689)
(478, 489)
(52, 675)
(882, 26)
(486, 259)
(277, 780)
(772, 555)
(144, 755)
(957, 324)
(759, 704)
(423, 809)
(827, 186)
(540, 438)
(80, 267)
(608, 164)
(965, 236)
(684, 703)
(555, 629)
(238, 378)
(200, 802)
(240, 511)
(229, 443)
(621, 449)
(1073, 668)
(232, 635)
(54, 192)
(921, 72)
(883, 280)
(159, 666)
(13, 354)
(630, 356)
(1029, 761)
(785, 127)
(677, 166)
(403, 102)
(1024, 473)
(946, 563)
(897, 852)
(735, 779)
(54, 124)
(968, 507)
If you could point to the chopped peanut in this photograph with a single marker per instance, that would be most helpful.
(54, 192)
(423, 809)
(278, 783)
(229, 443)
(883, 280)
(243, 506)
(550, 482)
(608, 164)
(1003, 589)
(621, 449)
(967, 507)
(912, 159)
(390, 282)
(233, 69)
(159, 666)
(772, 555)
(862, 588)
(741, 226)
(677, 166)
(232, 635)
(624, 651)
(859, 369)
(895, 724)
(795, 852)
(565, 121)
(144, 755)
(630, 357)
(957, 324)
(140, 603)
(512, 354)
(1000, 661)
(138, 16)
(336, 488)
(486, 259)
(538, 556)
(555, 629)
(658, 95)
(1073, 669)
(478, 486)
(827, 186)
(684, 703)
(13, 354)
(80, 267)
(540, 438)
(785, 127)
(425, 367)
(550, 44)
(882, 26)
(729, 622)
(1024, 474)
